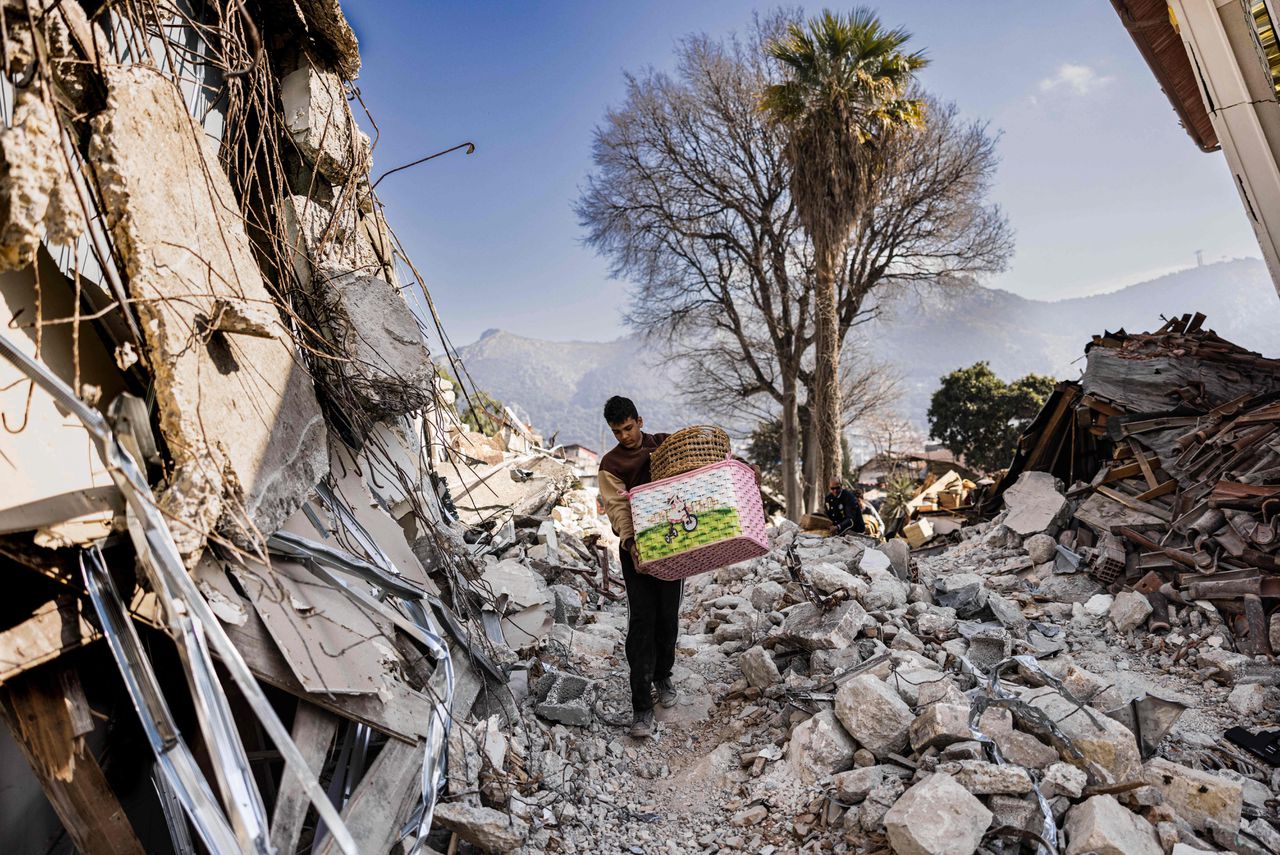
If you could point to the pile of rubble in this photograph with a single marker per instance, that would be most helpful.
(829, 703)
(1171, 444)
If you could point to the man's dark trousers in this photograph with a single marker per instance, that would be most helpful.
(653, 622)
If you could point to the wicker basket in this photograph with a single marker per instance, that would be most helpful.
(698, 521)
(687, 450)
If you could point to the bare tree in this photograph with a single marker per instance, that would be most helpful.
(690, 202)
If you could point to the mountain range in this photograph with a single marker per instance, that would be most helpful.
(922, 335)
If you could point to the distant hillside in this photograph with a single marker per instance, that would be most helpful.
(562, 385)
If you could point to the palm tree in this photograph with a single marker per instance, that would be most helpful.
(844, 94)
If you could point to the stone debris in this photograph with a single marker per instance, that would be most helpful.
(566, 698)
(491, 830)
(758, 667)
(1103, 826)
(874, 715)
(809, 627)
(1036, 505)
(819, 747)
(937, 816)
(1200, 798)
(1129, 611)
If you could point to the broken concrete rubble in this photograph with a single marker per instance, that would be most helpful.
(387, 369)
(758, 667)
(808, 626)
(170, 205)
(1101, 825)
(874, 715)
(1129, 611)
(937, 815)
(1198, 797)
(566, 698)
(1036, 505)
(819, 747)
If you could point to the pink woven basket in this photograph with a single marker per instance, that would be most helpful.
(698, 521)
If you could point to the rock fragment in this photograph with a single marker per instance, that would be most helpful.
(809, 627)
(874, 715)
(1199, 797)
(1102, 826)
(854, 786)
(939, 726)
(1100, 739)
(758, 667)
(937, 817)
(1129, 611)
(1035, 505)
(983, 779)
(1248, 698)
(1041, 548)
(491, 830)
(1063, 779)
(819, 747)
(766, 596)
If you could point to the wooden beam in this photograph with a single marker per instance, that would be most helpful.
(1135, 505)
(313, 731)
(48, 717)
(1145, 464)
(54, 628)
(1161, 490)
(382, 802)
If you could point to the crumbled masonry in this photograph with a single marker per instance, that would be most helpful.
(267, 592)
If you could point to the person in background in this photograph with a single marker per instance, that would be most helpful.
(653, 605)
(844, 509)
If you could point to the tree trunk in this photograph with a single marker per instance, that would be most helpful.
(810, 491)
(791, 490)
(826, 386)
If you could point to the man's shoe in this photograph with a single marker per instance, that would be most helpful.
(642, 726)
(666, 693)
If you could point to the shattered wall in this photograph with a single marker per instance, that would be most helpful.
(221, 423)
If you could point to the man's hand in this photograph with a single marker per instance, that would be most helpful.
(630, 546)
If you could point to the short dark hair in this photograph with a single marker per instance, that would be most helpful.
(618, 409)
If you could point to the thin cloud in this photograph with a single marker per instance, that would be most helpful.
(1080, 79)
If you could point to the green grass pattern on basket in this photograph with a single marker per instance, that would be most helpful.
(713, 526)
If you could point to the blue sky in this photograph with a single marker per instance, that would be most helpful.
(1101, 185)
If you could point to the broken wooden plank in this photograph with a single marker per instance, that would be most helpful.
(1136, 505)
(1103, 514)
(381, 804)
(1145, 465)
(38, 709)
(313, 732)
(1159, 490)
(56, 627)
(1101, 406)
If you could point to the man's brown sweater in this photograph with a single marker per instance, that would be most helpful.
(625, 469)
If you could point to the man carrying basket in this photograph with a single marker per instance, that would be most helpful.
(653, 605)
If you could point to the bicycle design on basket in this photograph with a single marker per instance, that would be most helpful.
(679, 514)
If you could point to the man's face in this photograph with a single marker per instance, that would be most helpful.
(834, 487)
(628, 433)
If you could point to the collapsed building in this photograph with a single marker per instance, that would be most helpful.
(233, 570)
